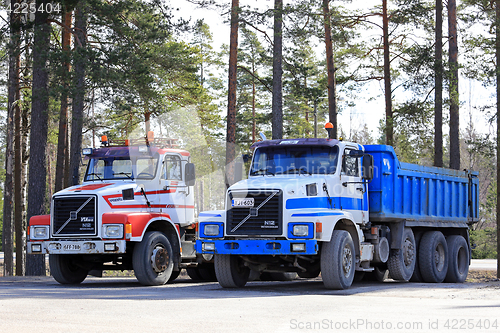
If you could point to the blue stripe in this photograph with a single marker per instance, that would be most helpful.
(209, 215)
(317, 214)
(323, 202)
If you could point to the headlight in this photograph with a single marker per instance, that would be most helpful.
(39, 232)
(211, 229)
(300, 230)
(210, 247)
(112, 231)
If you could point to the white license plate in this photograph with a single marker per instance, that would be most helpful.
(71, 247)
(243, 202)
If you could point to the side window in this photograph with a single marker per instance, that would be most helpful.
(172, 168)
(350, 164)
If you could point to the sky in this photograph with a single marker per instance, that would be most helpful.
(370, 106)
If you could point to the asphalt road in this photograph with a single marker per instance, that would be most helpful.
(39, 304)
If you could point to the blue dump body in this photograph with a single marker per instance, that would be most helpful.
(421, 195)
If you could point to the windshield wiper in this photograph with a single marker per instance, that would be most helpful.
(124, 173)
(95, 174)
(261, 170)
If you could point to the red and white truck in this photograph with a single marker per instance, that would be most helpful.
(134, 210)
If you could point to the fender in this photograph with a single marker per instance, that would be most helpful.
(140, 222)
(332, 220)
(39, 220)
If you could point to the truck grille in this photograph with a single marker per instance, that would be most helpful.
(74, 216)
(264, 218)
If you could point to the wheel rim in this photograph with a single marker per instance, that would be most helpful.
(347, 260)
(409, 252)
(439, 257)
(159, 259)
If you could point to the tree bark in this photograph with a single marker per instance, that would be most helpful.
(332, 98)
(63, 112)
(497, 44)
(79, 92)
(438, 80)
(39, 121)
(389, 125)
(453, 90)
(12, 106)
(19, 224)
(277, 119)
(231, 103)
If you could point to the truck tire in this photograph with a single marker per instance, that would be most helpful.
(174, 275)
(401, 262)
(278, 276)
(230, 271)
(309, 274)
(338, 260)
(65, 269)
(203, 272)
(433, 257)
(458, 259)
(152, 259)
(417, 276)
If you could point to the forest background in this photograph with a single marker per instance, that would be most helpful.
(74, 70)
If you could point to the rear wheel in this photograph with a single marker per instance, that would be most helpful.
(338, 260)
(401, 262)
(203, 272)
(65, 269)
(458, 263)
(152, 259)
(230, 271)
(417, 276)
(174, 275)
(433, 257)
(278, 276)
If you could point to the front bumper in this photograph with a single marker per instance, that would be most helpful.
(258, 247)
(76, 247)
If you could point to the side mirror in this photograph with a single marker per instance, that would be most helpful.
(190, 174)
(367, 167)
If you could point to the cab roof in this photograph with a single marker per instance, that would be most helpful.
(296, 142)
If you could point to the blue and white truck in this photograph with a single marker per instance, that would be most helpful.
(328, 206)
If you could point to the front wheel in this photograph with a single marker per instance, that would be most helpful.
(65, 269)
(152, 259)
(230, 271)
(338, 260)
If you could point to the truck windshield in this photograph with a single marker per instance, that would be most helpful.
(114, 168)
(295, 160)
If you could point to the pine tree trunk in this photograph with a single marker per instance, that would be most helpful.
(389, 125)
(18, 184)
(497, 23)
(12, 99)
(63, 112)
(277, 102)
(231, 103)
(332, 99)
(79, 91)
(454, 96)
(438, 101)
(35, 264)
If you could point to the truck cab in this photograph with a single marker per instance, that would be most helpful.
(306, 208)
(134, 210)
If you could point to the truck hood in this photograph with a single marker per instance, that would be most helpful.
(100, 188)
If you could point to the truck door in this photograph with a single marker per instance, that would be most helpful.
(353, 191)
(174, 190)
